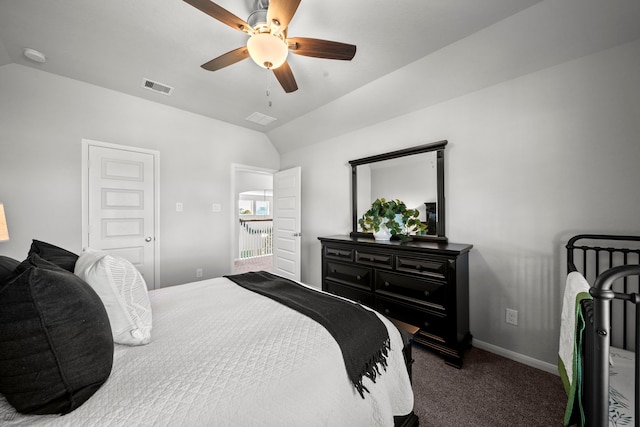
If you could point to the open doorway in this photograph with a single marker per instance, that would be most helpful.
(253, 236)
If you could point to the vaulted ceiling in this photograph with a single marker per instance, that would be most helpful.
(116, 44)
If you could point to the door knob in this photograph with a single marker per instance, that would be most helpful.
(148, 239)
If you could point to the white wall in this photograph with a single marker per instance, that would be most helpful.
(530, 162)
(43, 119)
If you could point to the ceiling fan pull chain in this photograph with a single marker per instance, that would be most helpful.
(269, 86)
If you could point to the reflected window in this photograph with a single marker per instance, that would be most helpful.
(262, 207)
(245, 207)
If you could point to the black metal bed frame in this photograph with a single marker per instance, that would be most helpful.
(603, 266)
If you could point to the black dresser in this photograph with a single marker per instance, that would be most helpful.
(424, 284)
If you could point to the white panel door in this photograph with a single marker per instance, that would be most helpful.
(286, 223)
(121, 206)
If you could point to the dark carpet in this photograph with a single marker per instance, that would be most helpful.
(489, 390)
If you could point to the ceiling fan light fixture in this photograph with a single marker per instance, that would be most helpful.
(267, 50)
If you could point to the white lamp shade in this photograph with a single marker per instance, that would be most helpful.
(4, 231)
(267, 51)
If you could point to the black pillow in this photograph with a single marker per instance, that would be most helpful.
(60, 257)
(56, 346)
(7, 265)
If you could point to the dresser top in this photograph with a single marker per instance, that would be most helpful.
(427, 246)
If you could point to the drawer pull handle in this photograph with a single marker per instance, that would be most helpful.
(387, 283)
(418, 267)
(386, 311)
(426, 324)
(333, 270)
(339, 254)
(427, 293)
(358, 277)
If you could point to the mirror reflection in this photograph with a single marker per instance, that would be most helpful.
(413, 175)
(412, 179)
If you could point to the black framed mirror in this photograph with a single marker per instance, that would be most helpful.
(414, 175)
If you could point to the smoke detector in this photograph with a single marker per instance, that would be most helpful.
(34, 55)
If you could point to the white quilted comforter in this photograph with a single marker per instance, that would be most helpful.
(221, 355)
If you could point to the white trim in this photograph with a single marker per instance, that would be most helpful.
(526, 360)
(156, 195)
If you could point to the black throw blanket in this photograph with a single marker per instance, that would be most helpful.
(361, 335)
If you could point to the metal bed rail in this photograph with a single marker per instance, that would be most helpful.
(599, 376)
(592, 254)
(605, 266)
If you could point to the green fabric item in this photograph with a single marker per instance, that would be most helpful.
(574, 413)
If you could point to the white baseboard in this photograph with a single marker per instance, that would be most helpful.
(526, 360)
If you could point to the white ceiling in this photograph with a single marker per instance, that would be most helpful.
(410, 53)
(117, 43)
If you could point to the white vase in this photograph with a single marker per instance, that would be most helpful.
(382, 235)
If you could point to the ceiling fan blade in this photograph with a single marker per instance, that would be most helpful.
(227, 59)
(321, 48)
(220, 13)
(285, 77)
(282, 11)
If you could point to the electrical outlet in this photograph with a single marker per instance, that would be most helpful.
(198, 272)
(179, 207)
(511, 317)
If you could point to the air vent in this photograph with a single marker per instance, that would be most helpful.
(157, 87)
(261, 119)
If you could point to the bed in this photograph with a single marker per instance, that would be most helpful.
(602, 291)
(221, 355)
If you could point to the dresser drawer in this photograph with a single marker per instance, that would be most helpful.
(378, 260)
(354, 294)
(338, 253)
(349, 274)
(430, 293)
(431, 324)
(432, 267)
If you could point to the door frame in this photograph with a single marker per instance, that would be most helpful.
(235, 168)
(86, 143)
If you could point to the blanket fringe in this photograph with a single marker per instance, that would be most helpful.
(372, 369)
(326, 310)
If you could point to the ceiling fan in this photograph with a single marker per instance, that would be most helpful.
(268, 44)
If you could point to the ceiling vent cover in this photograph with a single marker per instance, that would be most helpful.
(261, 119)
(157, 87)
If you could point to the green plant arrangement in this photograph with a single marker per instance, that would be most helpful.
(395, 216)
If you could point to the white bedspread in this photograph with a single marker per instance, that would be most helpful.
(221, 355)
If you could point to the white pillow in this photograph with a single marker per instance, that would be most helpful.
(123, 292)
